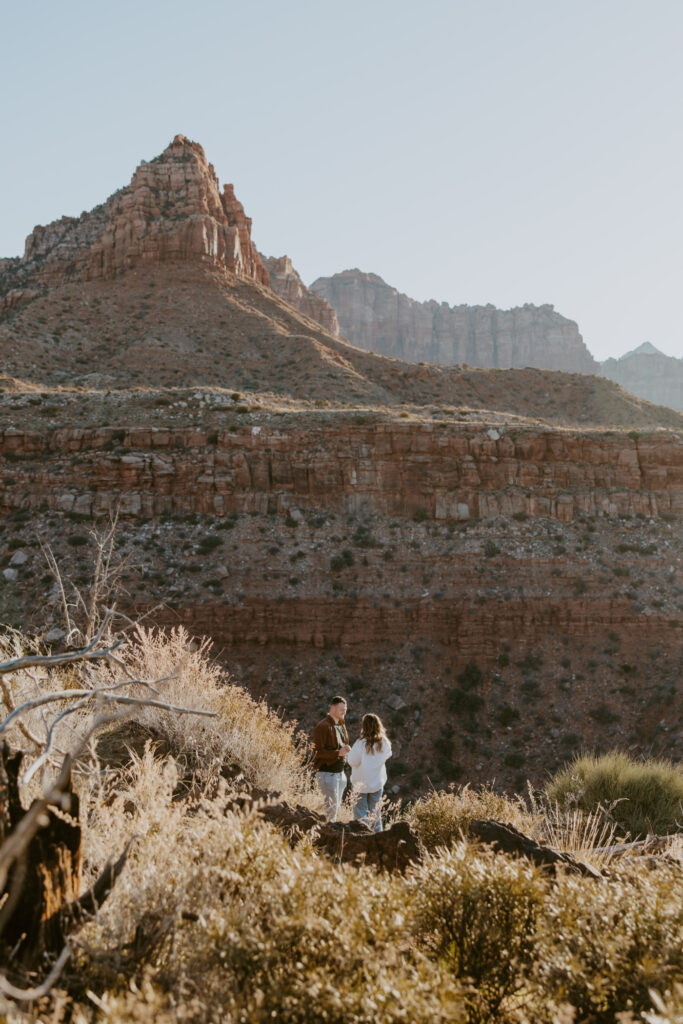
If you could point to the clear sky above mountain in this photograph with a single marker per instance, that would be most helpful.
(471, 151)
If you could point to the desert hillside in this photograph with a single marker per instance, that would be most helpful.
(488, 557)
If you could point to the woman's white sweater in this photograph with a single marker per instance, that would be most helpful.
(368, 771)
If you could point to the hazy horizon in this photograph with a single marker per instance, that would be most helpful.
(467, 152)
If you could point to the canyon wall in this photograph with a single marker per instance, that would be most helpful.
(648, 373)
(173, 209)
(397, 469)
(286, 283)
(377, 317)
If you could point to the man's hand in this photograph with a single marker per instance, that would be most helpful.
(343, 751)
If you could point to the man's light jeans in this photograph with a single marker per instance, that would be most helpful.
(332, 786)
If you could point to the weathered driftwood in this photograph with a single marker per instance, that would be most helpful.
(650, 846)
(42, 869)
(508, 839)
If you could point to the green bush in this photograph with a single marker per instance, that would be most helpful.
(77, 540)
(470, 677)
(209, 543)
(506, 714)
(602, 947)
(342, 561)
(463, 702)
(442, 818)
(643, 796)
(478, 915)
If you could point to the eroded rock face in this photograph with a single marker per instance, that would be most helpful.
(285, 282)
(393, 469)
(648, 373)
(173, 209)
(377, 317)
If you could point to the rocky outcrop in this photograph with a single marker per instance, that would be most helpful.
(173, 209)
(286, 283)
(391, 468)
(648, 373)
(377, 317)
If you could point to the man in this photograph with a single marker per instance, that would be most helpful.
(331, 745)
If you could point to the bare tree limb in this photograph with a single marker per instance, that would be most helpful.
(26, 995)
(87, 653)
(105, 697)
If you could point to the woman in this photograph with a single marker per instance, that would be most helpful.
(367, 758)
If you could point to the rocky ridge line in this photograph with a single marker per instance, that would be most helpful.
(375, 316)
(286, 283)
(648, 373)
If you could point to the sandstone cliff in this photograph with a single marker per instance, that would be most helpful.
(648, 373)
(376, 316)
(173, 209)
(378, 560)
(444, 472)
(285, 281)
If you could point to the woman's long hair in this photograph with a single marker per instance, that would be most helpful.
(372, 731)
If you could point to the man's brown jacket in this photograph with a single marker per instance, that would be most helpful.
(326, 757)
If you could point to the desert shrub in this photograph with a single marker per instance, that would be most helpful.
(245, 731)
(491, 549)
(442, 818)
(77, 540)
(470, 677)
(464, 702)
(240, 927)
(602, 947)
(643, 796)
(342, 561)
(506, 714)
(603, 714)
(209, 543)
(477, 913)
(514, 759)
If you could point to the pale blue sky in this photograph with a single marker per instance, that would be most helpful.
(502, 151)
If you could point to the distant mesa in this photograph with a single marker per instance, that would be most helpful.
(377, 317)
(648, 373)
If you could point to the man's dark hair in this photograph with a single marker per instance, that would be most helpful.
(337, 700)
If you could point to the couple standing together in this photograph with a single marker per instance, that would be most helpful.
(366, 758)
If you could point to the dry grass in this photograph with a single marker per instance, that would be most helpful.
(443, 817)
(642, 797)
(217, 919)
(216, 911)
(245, 732)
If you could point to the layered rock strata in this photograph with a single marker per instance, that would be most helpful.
(377, 317)
(173, 209)
(286, 283)
(648, 373)
(391, 468)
